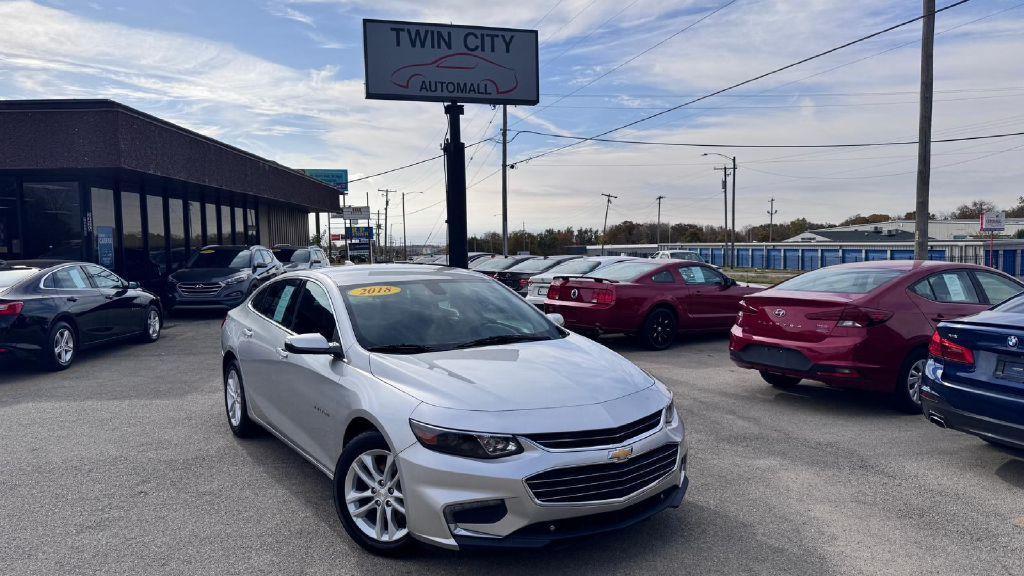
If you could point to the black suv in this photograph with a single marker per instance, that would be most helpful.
(221, 276)
(309, 258)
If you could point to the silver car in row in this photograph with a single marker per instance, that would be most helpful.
(537, 287)
(448, 410)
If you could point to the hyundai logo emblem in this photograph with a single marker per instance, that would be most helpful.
(779, 312)
(574, 294)
(1012, 342)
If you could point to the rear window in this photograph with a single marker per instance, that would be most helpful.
(574, 267)
(849, 281)
(9, 278)
(626, 271)
(497, 264)
(534, 265)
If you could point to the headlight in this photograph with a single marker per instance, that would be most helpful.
(467, 444)
(670, 413)
(236, 279)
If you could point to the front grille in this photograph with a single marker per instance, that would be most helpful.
(199, 289)
(595, 438)
(598, 482)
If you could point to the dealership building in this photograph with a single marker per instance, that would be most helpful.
(99, 181)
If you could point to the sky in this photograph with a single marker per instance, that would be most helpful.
(284, 79)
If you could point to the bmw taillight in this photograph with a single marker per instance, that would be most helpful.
(604, 296)
(853, 317)
(948, 351)
(523, 283)
(11, 308)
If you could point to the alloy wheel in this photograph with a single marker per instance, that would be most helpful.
(153, 324)
(64, 346)
(233, 396)
(914, 378)
(373, 496)
(661, 331)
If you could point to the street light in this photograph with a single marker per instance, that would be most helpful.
(732, 233)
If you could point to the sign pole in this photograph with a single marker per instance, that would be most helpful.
(369, 224)
(455, 159)
(504, 180)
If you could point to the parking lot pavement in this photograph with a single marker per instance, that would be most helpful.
(125, 465)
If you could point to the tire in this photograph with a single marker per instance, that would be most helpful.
(235, 405)
(61, 347)
(780, 381)
(907, 395)
(150, 331)
(366, 469)
(659, 330)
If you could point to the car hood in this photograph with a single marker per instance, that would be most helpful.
(572, 371)
(205, 274)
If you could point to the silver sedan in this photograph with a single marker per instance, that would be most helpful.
(448, 410)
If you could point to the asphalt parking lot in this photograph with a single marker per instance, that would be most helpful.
(125, 465)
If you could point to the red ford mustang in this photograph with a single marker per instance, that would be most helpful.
(653, 299)
(865, 325)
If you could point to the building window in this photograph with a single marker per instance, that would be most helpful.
(212, 236)
(225, 223)
(239, 235)
(52, 217)
(104, 226)
(155, 234)
(251, 227)
(195, 225)
(10, 236)
(135, 261)
(176, 219)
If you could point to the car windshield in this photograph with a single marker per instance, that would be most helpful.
(9, 278)
(220, 258)
(300, 256)
(626, 271)
(574, 267)
(433, 314)
(497, 264)
(848, 281)
(533, 265)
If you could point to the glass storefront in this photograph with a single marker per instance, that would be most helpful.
(225, 224)
(195, 225)
(176, 222)
(51, 215)
(251, 237)
(136, 264)
(239, 236)
(10, 229)
(155, 235)
(104, 226)
(212, 235)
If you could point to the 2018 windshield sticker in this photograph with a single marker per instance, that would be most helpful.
(207, 251)
(370, 291)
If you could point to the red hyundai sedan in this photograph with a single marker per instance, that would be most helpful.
(653, 299)
(865, 325)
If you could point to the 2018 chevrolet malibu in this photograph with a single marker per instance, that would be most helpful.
(447, 409)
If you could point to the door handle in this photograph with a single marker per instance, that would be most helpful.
(282, 353)
(72, 298)
(247, 332)
(108, 296)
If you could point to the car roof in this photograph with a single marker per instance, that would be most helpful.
(349, 275)
(39, 263)
(907, 265)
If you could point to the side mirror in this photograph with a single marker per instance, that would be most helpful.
(729, 283)
(557, 318)
(133, 285)
(312, 344)
(261, 265)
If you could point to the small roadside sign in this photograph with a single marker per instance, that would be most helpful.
(993, 221)
(355, 212)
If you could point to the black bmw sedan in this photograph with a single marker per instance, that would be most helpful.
(51, 309)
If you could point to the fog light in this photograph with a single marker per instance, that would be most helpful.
(482, 512)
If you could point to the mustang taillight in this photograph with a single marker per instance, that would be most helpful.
(11, 308)
(949, 351)
(604, 297)
(554, 291)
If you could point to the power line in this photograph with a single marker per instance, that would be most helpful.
(749, 80)
(424, 161)
(593, 30)
(548, 13)
(769, 106)
(571, 20)
(709, 145)
(792, 94)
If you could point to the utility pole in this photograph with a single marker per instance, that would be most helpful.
(924, 132)
(369, 224)
(771, 217)
(387, 202)
(725, 212)
(604, 230)
(504, 180)
(378, 227)
(732, 231)
(657, 233)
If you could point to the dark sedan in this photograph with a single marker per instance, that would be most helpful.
(492, 266)
(518, 276)
(974, 379)
(50, 310)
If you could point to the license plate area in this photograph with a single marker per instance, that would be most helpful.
(1010, 370)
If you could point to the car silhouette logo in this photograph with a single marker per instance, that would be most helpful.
(779, 312)
(460, 68)
(1012, 342)
(574, 294)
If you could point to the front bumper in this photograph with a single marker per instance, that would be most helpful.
(433, 481)
(937, 403)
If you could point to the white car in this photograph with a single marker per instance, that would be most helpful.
(537, 286)
(446, 409)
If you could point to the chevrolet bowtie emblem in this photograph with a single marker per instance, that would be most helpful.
(621, 454)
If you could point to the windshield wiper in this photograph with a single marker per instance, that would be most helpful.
(401, 349)
(503, 339)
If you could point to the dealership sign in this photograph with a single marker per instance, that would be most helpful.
(355, 213)
(337, 179)
(993, 221)
(448, 63)
(359, 232)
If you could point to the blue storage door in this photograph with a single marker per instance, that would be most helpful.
(902, 254)
(705, 254)
(939, 255)
(743, 257)
(775, 258)
(716, 256)
(852, 255)
(810, 257)
(791, 257)
(831, 257)
(874, 255)
(1010, 262)
(756, 258)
